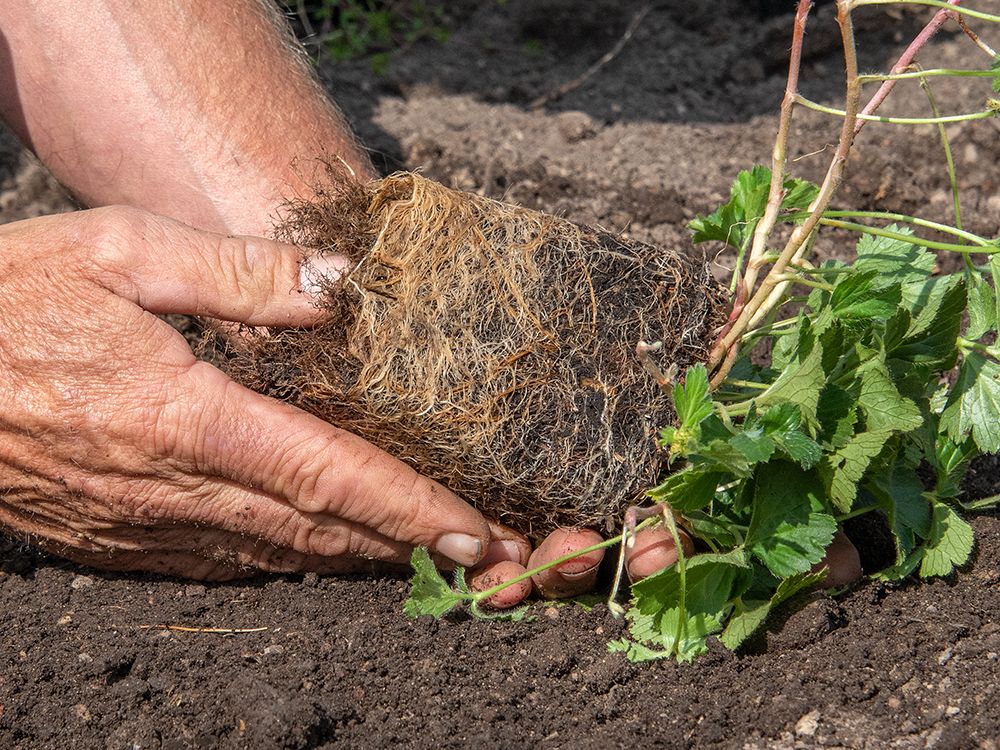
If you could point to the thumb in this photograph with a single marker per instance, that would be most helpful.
(165, 266)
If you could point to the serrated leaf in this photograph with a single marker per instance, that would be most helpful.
(949, 545)
(951, 460)
(687, 490)
(845, 468)
(636, 652)
(883, 406)
(755, 446)
(734, 222)
(801, 380)
(781, 424)
(982, 308)
(720, 455)
(692, 398)
(800, 448)
(750, 615)
(895, 261)
(837, 413)
(693, 405)
(789, 530)
(974, 404)
(864, 296)
(430, 593)
(936, 309)
(799, 194)
(657, 617)
(899, 492)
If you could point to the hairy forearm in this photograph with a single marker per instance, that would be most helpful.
(201, 111)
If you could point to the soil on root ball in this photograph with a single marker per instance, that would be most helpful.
(518, 358)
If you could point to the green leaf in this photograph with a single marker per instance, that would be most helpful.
(720, 455)
(687, 490)
(780, 426)
(995, 67)
(974, 404)
(881, 403)
(430, 594)
(845, 468)
(861, 296)
(982, 308)
(837, 413)
(692, 398)
(801, 380)
(789, 530)
(734, 222)
(799, 194)
(937, 307)
(657, 617)
(636, 652)
(693, 404)
(755, 446)
(898, 490)
(895, 261)
(750, 615)
(949, 545)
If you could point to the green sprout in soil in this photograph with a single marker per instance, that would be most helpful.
(880, 385)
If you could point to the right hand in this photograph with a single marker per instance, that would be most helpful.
(118, 448)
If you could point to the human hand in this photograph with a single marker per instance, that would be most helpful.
(653, 550)
(118, 448)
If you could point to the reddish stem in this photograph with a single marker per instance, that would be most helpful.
(905, 61)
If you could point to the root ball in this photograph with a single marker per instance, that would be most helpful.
(491, 347)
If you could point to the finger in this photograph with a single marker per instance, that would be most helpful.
(218, 428)
(842, 560)
(505, 545)
(246, 513)
(574, 576)
(165, 266)
(654, 550)
(211, 555)
(496, 573)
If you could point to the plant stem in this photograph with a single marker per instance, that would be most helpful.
(749, 384)
(911, 239)
(949, 6)
(950, 163)
(779, 154)
(682, 575)
(795, 278)
(771, 289)
(932, 72)
(809, 104)
(889, 216)
(857, 512)
(484, 595)
(906, 59)
(975, 37)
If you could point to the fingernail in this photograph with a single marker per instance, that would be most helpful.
(462, 548)
(502, 549)
(582, 574)
(320, 271)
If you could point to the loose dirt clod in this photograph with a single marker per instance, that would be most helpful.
(491, 347)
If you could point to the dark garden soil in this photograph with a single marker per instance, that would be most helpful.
(648, 141)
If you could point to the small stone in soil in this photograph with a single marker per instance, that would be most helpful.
(807, 725)
(81, 582)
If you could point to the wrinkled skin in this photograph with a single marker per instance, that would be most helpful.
(117, 447)
(120, 449)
